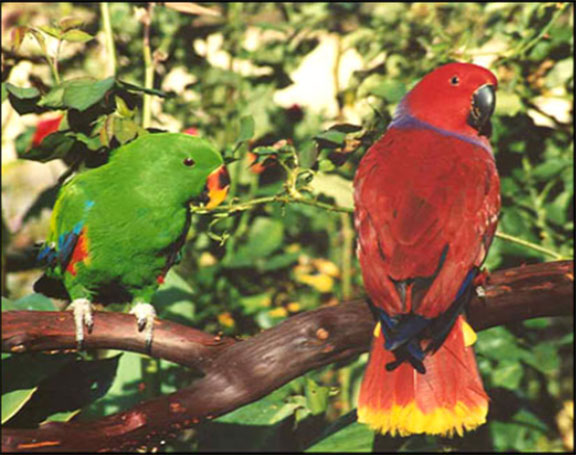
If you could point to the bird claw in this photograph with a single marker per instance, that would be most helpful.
(480, 292)
(82, 310)
(145, 315)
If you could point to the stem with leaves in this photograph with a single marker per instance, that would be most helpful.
(294, 196)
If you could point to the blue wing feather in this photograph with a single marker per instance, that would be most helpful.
(402, 334)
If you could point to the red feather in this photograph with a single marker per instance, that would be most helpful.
(427, 198)
(412, 199)
(80, 252)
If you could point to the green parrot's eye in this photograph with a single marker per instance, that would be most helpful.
(189, 162)
(455, 80)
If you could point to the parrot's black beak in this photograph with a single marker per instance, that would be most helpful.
(217, 187)
(483, 104)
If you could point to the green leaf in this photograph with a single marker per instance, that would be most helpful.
(344, 436)
(549, 169)
(266, 236)
(136, 88)
(326, 165)
(23, 93)
(40, 39)
(537, 323)
(246, 128)
(13, 401)
(22, 375)
(77, 36)
(279, 261)
(54, 32)
(8, 305)
(92, 143)
(330, 139)
(499, 344)
(175, 299)
(390, 90)
(254, 303)
(62, 416)
(263, 426)
(54, 146)
(517, 434)
(346, 128)
(71, 387)
(124, 391)
(54, 98)
(122, 108)
(83, 93)
(125, 129)
(18, 35)
(336, 187)
(267, 411)
(507, 374)
(557, 211)
(508, 104)
(544, 358)
(32, 302)
(69, 23)
(316, 396)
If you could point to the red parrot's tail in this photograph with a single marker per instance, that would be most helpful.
(448, 398)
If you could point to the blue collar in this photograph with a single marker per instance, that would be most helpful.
(403, 120)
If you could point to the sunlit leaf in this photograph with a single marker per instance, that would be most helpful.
(344, 436)
(13, 401)
(77, 36)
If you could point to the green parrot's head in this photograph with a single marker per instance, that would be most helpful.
(175, 167)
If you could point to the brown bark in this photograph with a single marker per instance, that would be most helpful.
(237, 373)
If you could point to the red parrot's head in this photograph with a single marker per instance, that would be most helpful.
(457, 97)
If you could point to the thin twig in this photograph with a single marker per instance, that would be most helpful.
(109, 36)
(530, 245)
(148, 67)
(230, 209)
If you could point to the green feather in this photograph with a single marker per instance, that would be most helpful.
(133, 214)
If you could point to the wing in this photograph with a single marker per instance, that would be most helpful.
(426, 211)
(67, 241)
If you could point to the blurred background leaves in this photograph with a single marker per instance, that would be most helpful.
(292, 94)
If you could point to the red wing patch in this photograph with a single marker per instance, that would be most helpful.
(80, 253)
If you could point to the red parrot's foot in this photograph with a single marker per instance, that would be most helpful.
(482, 278)
(145, 314)
(480, 282)
(82, 309)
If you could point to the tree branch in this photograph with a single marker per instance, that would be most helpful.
(237, 373)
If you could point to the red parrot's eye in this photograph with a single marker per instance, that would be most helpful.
(189, 162)
(455, 80)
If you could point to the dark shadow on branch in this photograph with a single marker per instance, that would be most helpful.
(237, 373)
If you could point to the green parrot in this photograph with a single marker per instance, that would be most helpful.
(117, 229)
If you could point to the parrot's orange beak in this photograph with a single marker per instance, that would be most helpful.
(217, 186)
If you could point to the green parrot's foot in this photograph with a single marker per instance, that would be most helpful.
(82, 309)
(145, 314)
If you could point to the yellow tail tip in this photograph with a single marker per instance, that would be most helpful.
(470, 336)
(409, 419)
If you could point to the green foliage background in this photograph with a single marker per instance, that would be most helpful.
(247, 269)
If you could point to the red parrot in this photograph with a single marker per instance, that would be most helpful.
(427, 198)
